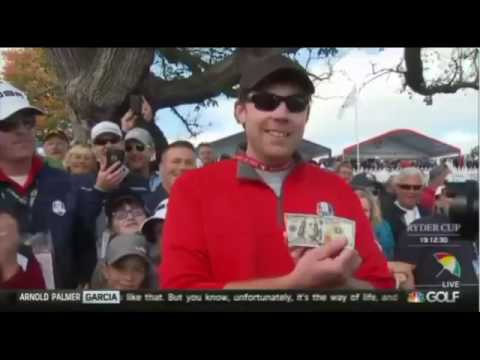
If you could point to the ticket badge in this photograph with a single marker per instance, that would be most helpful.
(325, 209)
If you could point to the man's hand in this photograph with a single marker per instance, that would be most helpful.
(329, 266)
(108, 179)
(128, 121)
(403, 273)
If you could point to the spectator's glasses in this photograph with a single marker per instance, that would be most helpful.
(138, 147)
(264, 101)
(410, 187)
(123, 214)
(105, 141)
(15, 122)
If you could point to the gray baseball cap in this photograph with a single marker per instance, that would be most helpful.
(125, 245)
(140, 135)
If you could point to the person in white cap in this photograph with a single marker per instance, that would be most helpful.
(140, 151)
(47, 201)
(111, 177)
(105, 135)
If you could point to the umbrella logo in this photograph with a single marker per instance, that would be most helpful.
(449, 263)
(416, 297)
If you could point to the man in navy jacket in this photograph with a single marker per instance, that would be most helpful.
(49, 207)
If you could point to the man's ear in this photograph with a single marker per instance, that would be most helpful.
(239, 112)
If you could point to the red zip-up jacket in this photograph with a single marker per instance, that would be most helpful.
(225, 224)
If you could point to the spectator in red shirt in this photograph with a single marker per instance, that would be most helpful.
(437, 178)
(225, 225)
(17, 271)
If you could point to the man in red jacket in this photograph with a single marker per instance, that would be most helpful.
(225, 226)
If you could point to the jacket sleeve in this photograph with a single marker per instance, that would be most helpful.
(89, 203)
(185, 262)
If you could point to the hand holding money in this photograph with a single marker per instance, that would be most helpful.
(329, 266)
(306, 230)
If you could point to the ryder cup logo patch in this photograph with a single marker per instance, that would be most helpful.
(325, 209)
(58, 207)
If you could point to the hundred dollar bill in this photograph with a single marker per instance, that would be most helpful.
(335, 227)
(304, 230)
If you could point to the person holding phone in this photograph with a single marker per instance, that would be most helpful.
(109, 149)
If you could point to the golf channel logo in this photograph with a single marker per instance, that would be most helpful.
(101, 297)
(433, 297)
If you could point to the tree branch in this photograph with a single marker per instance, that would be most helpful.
(324, 76)
(189, 125)
(217, 79)
(415, 80)
(176, 55)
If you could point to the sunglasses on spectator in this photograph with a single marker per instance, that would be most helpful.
(105, 141)
(123, 214)
(138, 147)
(410, 187)
(14, 124)
(264, 101)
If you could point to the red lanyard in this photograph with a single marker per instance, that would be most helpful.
(262, 166)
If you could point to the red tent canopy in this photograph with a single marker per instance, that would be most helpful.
(401, 144)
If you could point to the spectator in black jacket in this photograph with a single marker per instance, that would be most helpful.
(405, 209)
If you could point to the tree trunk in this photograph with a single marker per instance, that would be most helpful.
(97, 81)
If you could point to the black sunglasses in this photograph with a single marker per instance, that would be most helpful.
(410, 187)
(14, 124)
(138, 147)
(264, 101)
(105, 141)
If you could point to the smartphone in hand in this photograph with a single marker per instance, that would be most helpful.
(136, 102)
(114, 155)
